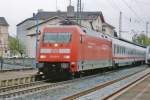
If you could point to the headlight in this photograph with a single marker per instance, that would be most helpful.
(56, 45)
(67, 57)
(42, 56)
(72, 63)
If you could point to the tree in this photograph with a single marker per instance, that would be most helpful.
(15, 46)
(141, 39)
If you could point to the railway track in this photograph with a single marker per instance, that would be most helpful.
(18, 90)
(88, 93)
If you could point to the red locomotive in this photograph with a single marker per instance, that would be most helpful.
(70, 50)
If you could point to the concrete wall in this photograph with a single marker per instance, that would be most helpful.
(86, 23)
(108, 30)
(4, 29)
(97, 24)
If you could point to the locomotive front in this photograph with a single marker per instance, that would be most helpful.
(56, 54)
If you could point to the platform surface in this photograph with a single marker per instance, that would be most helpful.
(17, 74)
(140, 91)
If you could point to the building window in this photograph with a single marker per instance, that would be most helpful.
(103, 29)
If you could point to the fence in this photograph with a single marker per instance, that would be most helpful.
(29, 62)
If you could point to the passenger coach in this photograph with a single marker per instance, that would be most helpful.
(127, 53)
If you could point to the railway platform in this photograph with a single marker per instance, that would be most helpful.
(137, 91)
(17, 77)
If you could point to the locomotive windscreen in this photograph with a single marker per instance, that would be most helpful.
(53, 37)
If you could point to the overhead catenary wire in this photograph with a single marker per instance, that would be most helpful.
(141, 8)
(132, 10)
(119, 10)
(143, 3)
(116, 7)
(133, 20)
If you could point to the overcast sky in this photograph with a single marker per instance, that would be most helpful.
(135, 12)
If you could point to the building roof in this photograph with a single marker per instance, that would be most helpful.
(84, 15)
(44, 15)
(106, 24)
(62, 22)
(55, 17)
(25, 21)
(3, 22)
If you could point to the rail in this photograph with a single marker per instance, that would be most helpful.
(104, 85)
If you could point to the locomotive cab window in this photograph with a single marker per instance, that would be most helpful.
(58, 37)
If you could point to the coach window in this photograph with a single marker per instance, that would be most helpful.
(120, 50)
(114, 48)
(117, 49)
(123, 50)
(134, 53)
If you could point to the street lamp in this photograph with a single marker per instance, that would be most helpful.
(1, 56)
(36, 36)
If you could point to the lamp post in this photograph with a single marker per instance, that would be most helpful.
(1, 56)
(36, 36)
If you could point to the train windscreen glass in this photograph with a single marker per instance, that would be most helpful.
(51, 37)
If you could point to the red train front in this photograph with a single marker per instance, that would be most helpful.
(66, 50)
